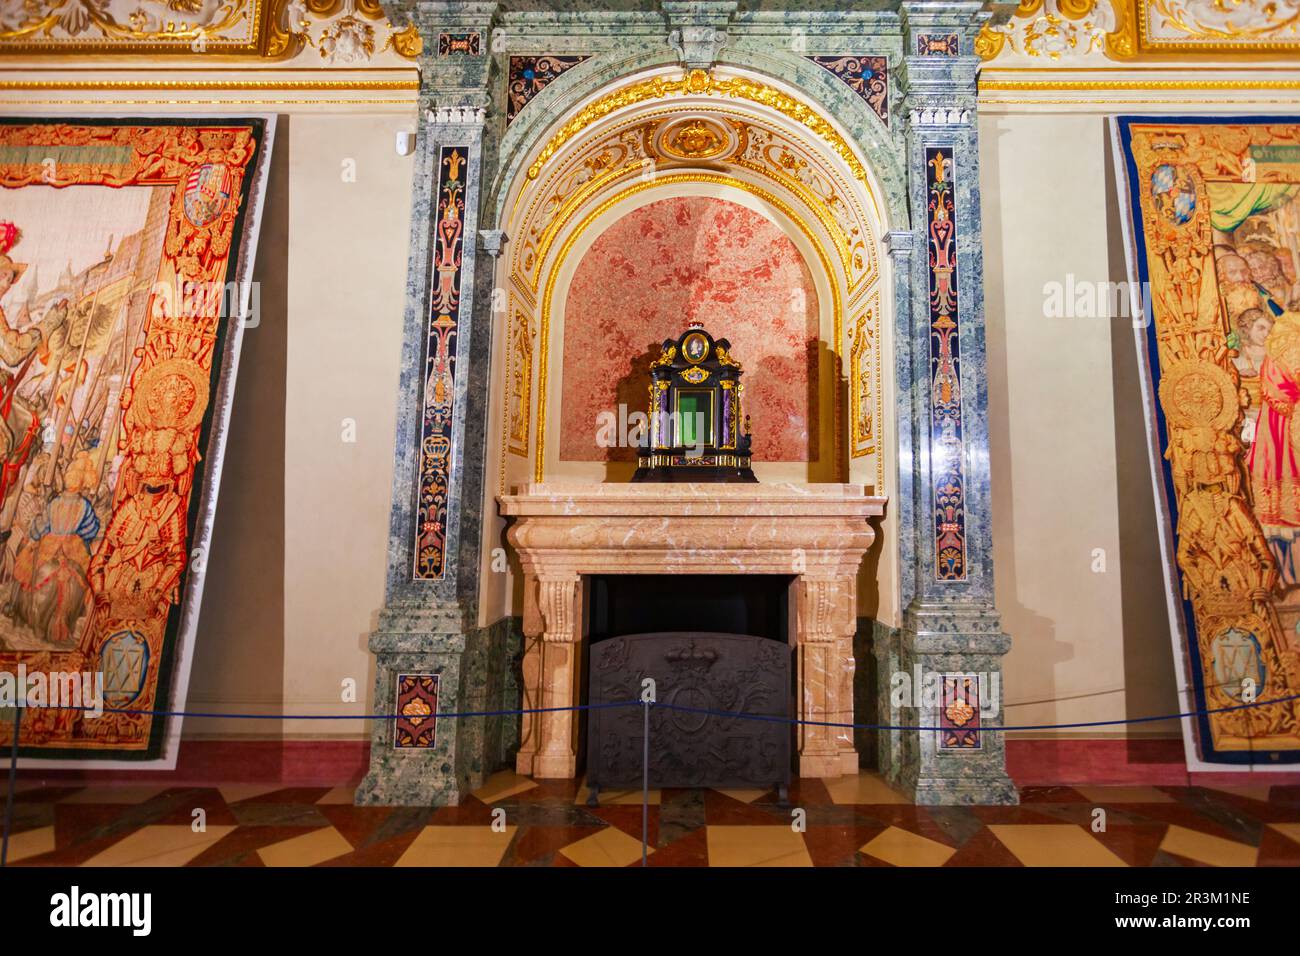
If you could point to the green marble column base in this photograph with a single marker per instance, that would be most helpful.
(953, 639)
(473, 667)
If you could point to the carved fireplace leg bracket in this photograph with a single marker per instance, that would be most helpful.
(826, 623)
(553, 668)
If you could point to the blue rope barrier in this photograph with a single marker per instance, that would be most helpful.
(454, 715)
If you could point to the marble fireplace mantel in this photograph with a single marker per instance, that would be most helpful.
(817, 533)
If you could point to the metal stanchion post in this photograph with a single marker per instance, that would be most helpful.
(645, 786)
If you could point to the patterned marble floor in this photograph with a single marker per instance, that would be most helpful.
(849, 822)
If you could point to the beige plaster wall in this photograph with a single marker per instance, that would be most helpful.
(1077, 564)
(300, 544)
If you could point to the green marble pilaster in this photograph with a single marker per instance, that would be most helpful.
(428, 624)
(950, 625)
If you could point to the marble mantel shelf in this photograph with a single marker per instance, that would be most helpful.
(816, 533)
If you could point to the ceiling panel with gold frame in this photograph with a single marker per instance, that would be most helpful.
(1055, 32)
(341, 31)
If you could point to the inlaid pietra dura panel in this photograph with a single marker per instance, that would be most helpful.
(529, 75)
(866, 75)
(415, 726)
(959, 712)
(440, 366)
(947, 449)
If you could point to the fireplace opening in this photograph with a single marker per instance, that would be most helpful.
(717, 647)
(754, 604)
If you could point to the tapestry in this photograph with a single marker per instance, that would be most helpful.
(1214, 219)
(125, 260)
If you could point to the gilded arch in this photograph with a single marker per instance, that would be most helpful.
(740, 131)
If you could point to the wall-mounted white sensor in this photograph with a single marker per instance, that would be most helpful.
(405, 142)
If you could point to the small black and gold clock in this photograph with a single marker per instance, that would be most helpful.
(698, 428)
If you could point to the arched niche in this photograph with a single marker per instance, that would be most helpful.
(732, 134)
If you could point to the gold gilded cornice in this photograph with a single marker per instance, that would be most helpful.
(701, 83)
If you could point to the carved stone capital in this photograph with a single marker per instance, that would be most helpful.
(493, 241)
(899, 244)
(697, 47)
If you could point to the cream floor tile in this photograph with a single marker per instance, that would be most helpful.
(507, 783)
(339, 795)
(1204, 848)
(745, 796)
(458, 846)
(864, 788)
(111, 794)
(610, 847)
(1107, 795)
(1289, 830)
(904, 848)
(306, 850)
(159, 846)
(756, 846)
(616, 797)
(235, 792)
(1054, 844)
(30, 843)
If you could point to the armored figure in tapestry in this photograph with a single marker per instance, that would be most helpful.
(1217, 215)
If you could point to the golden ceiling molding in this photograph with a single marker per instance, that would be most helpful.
(1138, 30)
(341, 31)
(701, 83)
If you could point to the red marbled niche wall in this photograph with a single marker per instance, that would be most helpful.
(652, 272)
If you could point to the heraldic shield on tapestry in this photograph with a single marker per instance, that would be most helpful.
(1214, 210)
(125, 258)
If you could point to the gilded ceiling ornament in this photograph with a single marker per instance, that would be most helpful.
(698, 82)
(695, 138)
(1050, 30)
(1225, 19)
(344, 31)
(131, 25)
(1211, 28)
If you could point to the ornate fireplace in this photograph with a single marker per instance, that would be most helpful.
(813, 535)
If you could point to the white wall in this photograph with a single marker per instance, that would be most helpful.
(300, 505)
(1071, 477)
